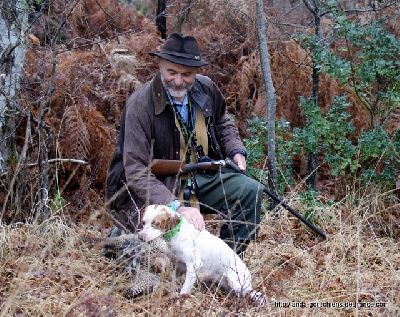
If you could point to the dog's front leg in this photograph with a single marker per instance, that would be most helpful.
(190, 279)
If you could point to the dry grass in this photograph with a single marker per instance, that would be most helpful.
(47, 270)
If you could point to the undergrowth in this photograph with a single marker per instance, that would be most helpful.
(48, 270)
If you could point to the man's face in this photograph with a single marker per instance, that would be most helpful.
(177, 79)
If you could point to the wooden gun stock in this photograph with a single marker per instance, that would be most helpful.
(166, 167)
(174, 167)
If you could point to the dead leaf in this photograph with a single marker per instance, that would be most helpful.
(33, 40)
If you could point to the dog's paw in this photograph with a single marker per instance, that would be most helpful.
(258, 298)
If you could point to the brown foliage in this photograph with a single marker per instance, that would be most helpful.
(81, 131)
(93, 81)
(91, 304)
(104, 19)
(292, 79)
(84, 136)
(90, 90)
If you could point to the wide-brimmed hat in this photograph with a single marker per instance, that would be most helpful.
(182, 50)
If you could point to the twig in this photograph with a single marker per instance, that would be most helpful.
(56, 160)
(21, 159)
(365, 10)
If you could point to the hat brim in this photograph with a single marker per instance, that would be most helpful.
(180, 60)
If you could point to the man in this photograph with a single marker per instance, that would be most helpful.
(181, 115)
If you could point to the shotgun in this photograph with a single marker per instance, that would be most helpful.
(174, 167)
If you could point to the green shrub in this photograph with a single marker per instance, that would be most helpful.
(257, 146)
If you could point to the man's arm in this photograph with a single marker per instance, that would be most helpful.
(228, 133)
(137, 152)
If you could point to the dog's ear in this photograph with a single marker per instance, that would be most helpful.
(165, 221)
(173, 221)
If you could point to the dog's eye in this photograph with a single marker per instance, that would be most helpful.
(155, 224)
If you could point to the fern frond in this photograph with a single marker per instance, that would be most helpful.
(74, 135)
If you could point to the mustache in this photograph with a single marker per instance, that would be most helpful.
(172, 85)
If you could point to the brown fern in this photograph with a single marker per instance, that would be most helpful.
(103, 19)
(74, 136)
(101, 143)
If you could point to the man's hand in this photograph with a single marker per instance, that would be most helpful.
(240, 161)
(193, 216)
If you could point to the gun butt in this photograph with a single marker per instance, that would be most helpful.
(162, 168)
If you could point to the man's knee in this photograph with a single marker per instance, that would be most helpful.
(254, 186)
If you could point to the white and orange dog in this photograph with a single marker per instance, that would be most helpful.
(206, 257)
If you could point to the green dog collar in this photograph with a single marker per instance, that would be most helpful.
(170, 234)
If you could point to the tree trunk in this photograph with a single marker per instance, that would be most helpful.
(270, 100)
(161, 19)
(312, 164)
(12, 26)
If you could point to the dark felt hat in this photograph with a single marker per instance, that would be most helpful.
(182, 50)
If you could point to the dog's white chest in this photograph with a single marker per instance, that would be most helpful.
(210, 259)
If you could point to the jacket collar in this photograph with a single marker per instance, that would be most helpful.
(161, 100)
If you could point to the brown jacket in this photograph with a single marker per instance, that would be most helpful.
(148, 130)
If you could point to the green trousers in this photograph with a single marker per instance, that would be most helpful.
(236, 197)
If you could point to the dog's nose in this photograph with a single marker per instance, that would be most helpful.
(141, 235)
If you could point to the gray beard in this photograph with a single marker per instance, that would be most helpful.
(170, 87)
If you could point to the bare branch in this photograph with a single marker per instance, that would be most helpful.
(60, 160)
(20, 161)
(56, 160)
(102, 9)
(349, 11)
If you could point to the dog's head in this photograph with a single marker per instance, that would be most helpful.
(158, 220)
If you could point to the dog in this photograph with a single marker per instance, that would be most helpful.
(205, 257)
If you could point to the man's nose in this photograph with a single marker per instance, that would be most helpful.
(178, 80)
